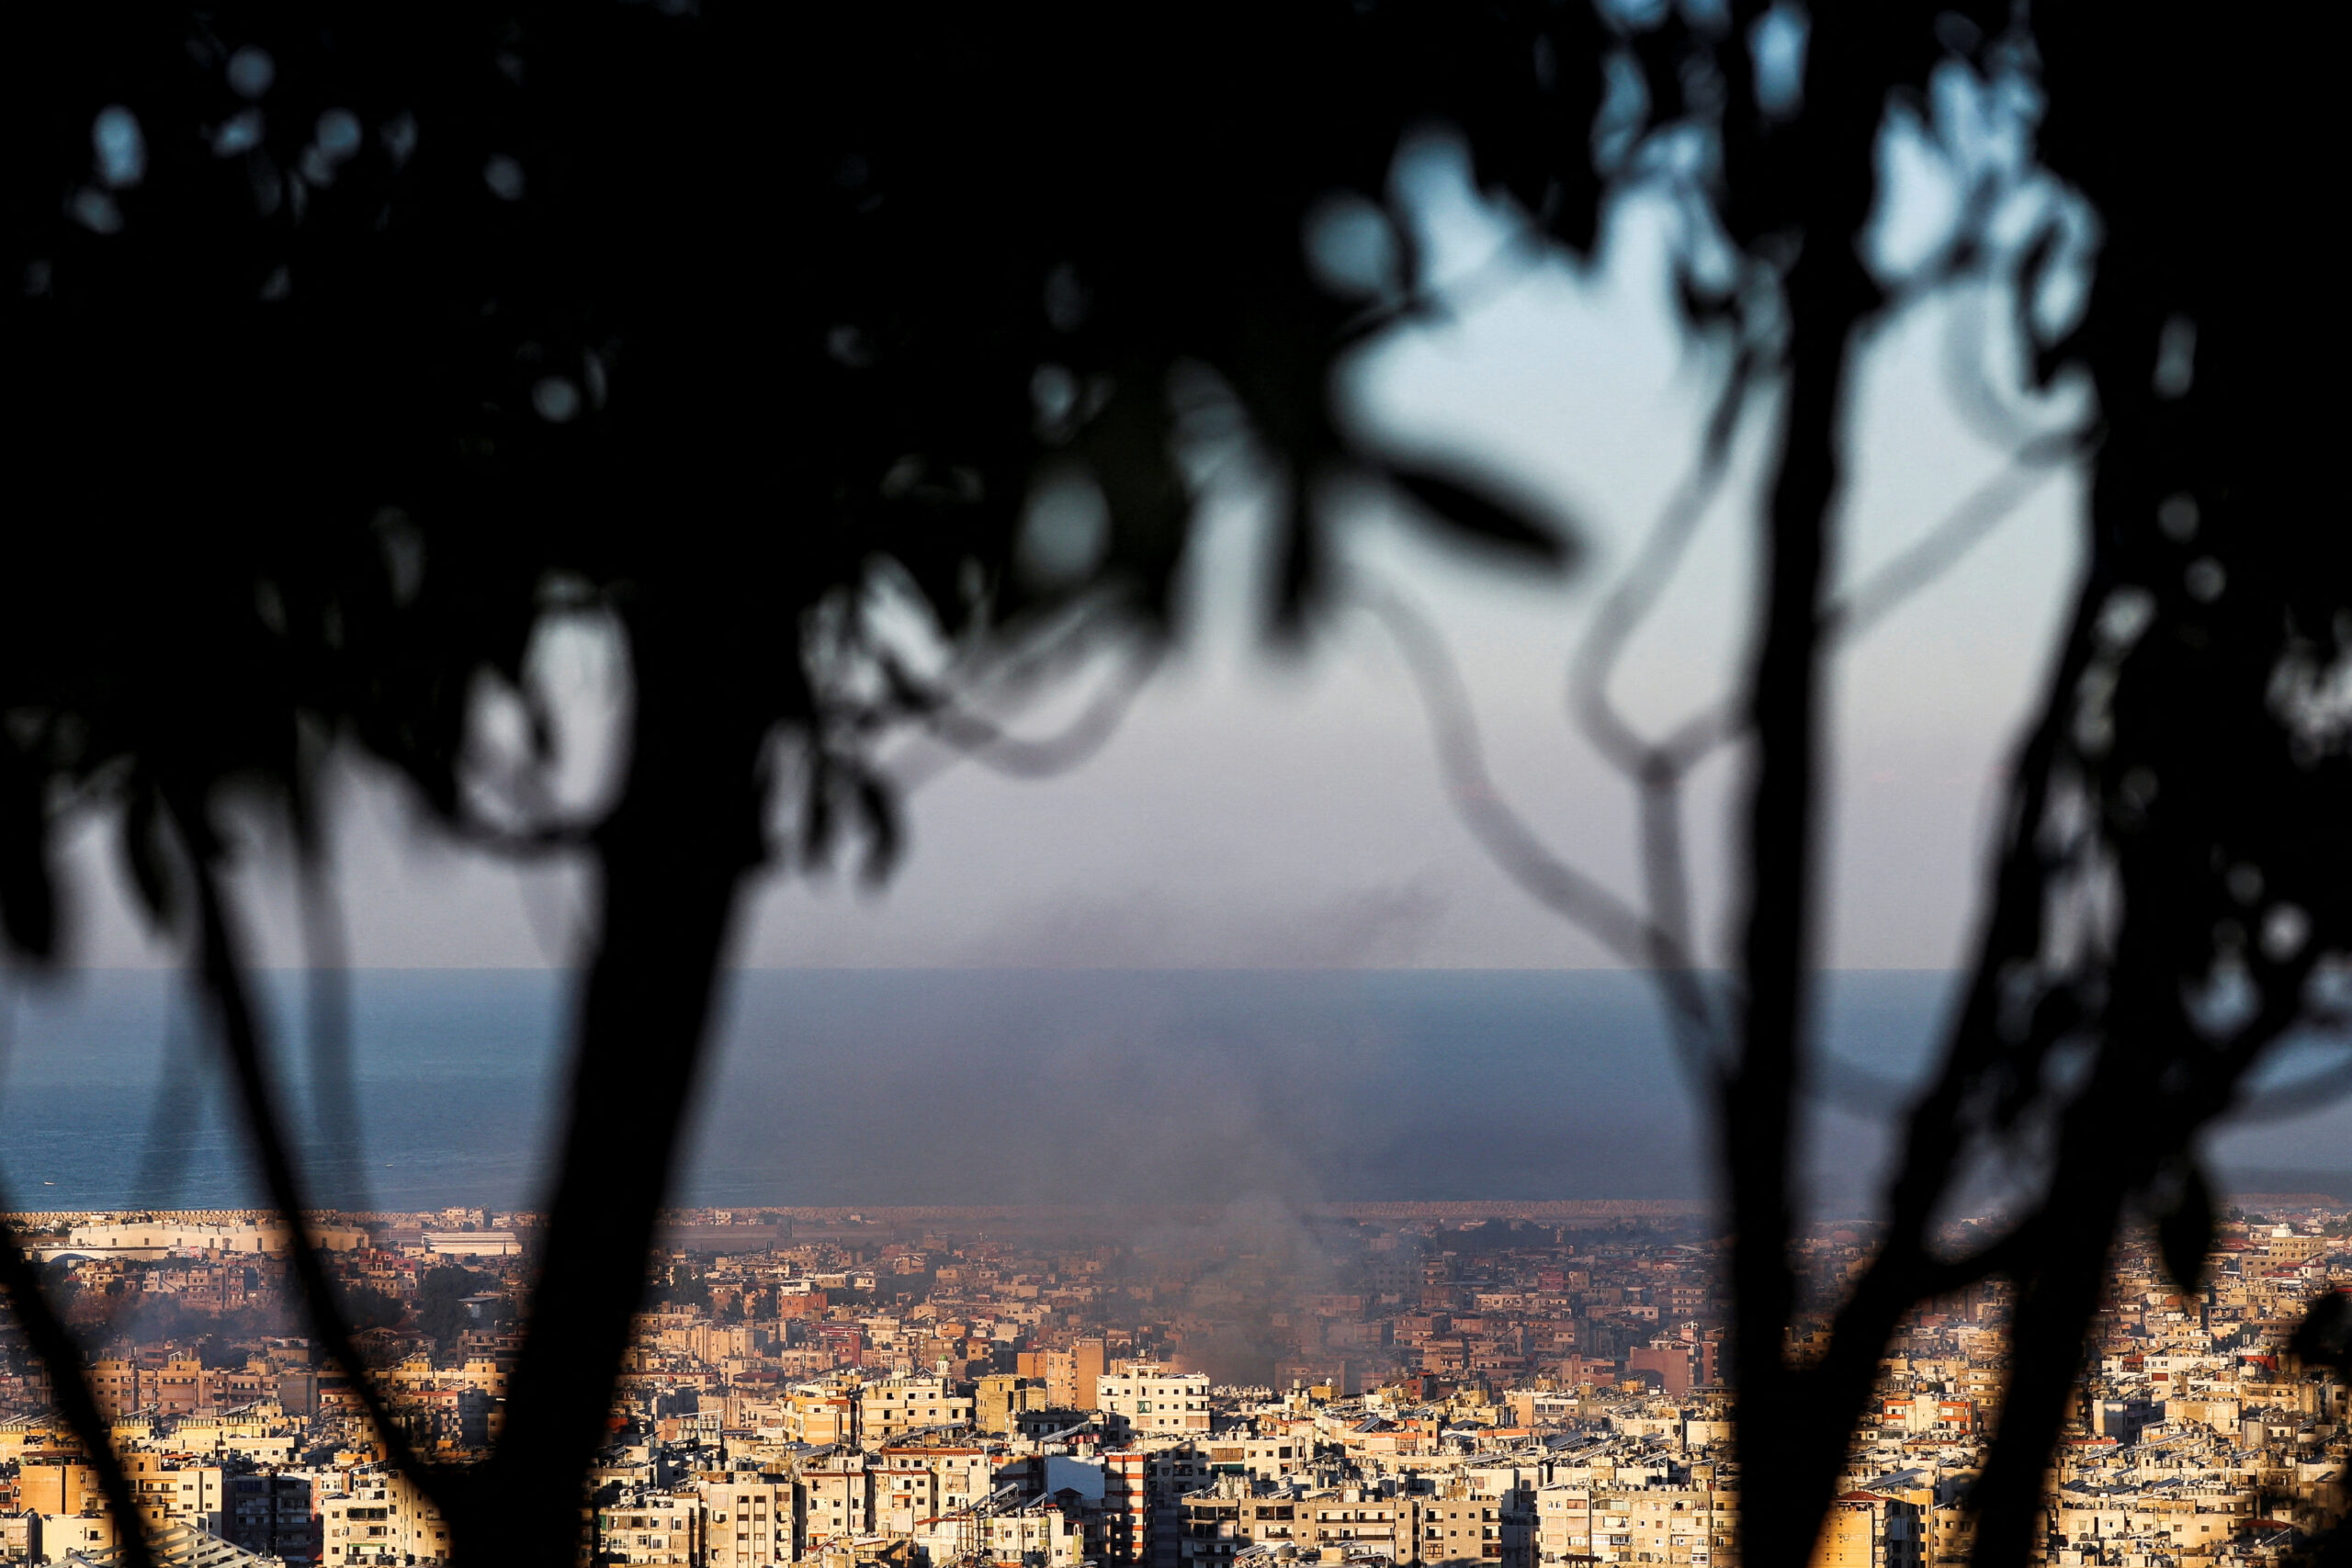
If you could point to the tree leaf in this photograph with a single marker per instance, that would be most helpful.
(148, 859)
(2324, 1337)
(2185, 1230)
(27, 893)
(1486, 518)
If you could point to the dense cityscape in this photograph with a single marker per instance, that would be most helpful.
(1505, 1385)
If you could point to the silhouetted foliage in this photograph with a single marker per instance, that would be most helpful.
(366, 1307)
(683, 1285)
(441, 1311)
(347, 348)
(354, 346)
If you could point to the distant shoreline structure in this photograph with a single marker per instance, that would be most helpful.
(1539, 1209)
(1542, 1209)
(1573, 1211)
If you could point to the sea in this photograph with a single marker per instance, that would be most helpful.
(993, 1086)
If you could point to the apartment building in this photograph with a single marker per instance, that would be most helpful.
(1458, 1524)
(1145, 1396)
(819, 1415)
(1038, 1536)
(1461, 1528)
(1352, 1516)
(174, 1488)
(1577, 1521)
(2173, 1515)
(379, 1518)
(999, 1399)
(57, 1484)
(1072, 1374)
(651, 1527)
(885, 1410)
(89, 1531)
(1125, 1528)
(1228, 1517)
(906, 1492)
(272, 1515)
(1270, 1459)
(1870, 1529)
(749, 1518)
(2283, 1245)
(837, 1499)
(959, 1472)
(1932, 1413)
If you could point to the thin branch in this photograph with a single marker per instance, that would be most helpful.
(334, 1098)
(1941, 1276)
(1855, 612)
(62, 1358)
(537, 841)
(1469, 785)
(1852, 1088)
(1965, 384)
(1673, 949)
(1522, 855)
(1657, 769)
(54, 1345)
(1629, 603)
(969, 735)
(163, 1161)
(1903, 1272)
(2296, 1099)
(1027, 650)
(221, 974)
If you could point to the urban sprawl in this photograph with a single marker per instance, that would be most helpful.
(1381, 1386)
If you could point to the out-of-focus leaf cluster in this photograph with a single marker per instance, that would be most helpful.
(2181, 857)
(343, 343)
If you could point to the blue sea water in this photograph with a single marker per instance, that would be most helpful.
(880, 1086)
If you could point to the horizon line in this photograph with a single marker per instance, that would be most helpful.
(64, 971)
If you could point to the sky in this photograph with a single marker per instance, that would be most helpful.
(1262, 808)
(1259, 809)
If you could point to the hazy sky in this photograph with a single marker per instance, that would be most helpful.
(1259, 811)
(1265, 811)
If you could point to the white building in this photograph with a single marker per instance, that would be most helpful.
(472, 1244)
(1144, 1396)
(378, 1519)
(164, 1236)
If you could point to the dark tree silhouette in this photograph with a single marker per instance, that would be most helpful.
(2164, 905)
(343, 347)
(347, 346)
